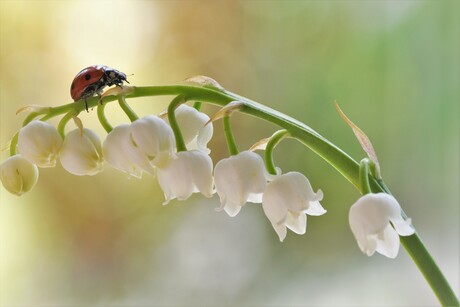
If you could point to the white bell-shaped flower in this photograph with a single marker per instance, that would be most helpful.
(81, 153)
(187, 173)
(286, 201)
(117, 151)
(154, 140)
(239, 179)
(370, 219)
(39, 142)
(18, 175)
(192, 124)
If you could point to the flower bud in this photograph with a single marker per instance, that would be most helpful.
(39, 142)
(189, 172)
(18, 175)
(81, 153)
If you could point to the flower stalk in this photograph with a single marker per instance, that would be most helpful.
(336, 157)
(231, 143)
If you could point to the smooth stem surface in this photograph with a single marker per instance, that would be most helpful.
(364, 176)
(103, 119)
(127, 109)
(180, 144)
(231, 143)
(275, 139)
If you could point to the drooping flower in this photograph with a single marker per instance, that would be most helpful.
(192, 124)
(154, 141)
(186, 173)
(239, 179)
(81, 153)
(286, 201)
(39, 142)
(370, 219)
(117, 151)
(18, 175)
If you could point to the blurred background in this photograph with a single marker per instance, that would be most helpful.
(106, 240)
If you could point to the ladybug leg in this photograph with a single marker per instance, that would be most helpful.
(86, 105)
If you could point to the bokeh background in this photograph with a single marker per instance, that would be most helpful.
(106, 240)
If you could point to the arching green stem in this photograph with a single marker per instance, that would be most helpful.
(103, 119)
(364, 176)
(180, 144)
(30, 118)
(14, 143)
(275, 139)
(63, 122)
(336, 157)
(231, 143)
(197, 105)
(127, 109)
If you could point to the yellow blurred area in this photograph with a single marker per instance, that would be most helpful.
(106, 240)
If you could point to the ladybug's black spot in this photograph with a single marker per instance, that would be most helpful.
(87, 76)
(72, 86)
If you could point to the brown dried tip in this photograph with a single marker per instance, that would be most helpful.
(118, 90)
(79, 124)
(260, 145)
(226, 111)
(363, 140)
(204, 81)
(31, 108)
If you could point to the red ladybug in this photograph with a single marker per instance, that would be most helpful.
(92, 80)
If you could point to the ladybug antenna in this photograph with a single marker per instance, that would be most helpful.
(128, 76)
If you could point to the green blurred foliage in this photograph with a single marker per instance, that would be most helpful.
(392, 65)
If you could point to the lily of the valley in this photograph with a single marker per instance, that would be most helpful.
(287, 200)
(81, 153)
(239, 179)
(153, 141)
(39, 142)
(18, 175)
(370, 219)
(117, 150)
(192, 124)
(186, 173)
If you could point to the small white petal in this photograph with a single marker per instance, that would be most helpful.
(39, 142)
(389, 244)
(281, 230)
(81, 153)
(18, 175)
(297, 222)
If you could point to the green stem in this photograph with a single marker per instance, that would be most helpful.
(275, 139)
(197, 105)
(231, 143)
(63, 122)
(103, 119)
(14, 143)
(127, 109)
(337, 158)
(180, 144)
(364, 176)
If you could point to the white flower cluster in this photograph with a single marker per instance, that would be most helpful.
(148, 145)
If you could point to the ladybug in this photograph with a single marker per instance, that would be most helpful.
(92, 80)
